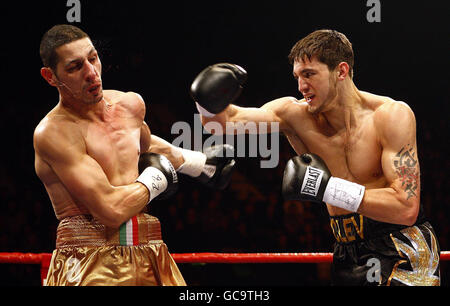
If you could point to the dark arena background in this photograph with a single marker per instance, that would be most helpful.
(156, 48)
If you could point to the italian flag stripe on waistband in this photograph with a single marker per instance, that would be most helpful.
(129, 232)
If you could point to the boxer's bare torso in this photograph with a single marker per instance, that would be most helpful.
(362, 137)
(353, 153)
(110, 135)
(370, 142)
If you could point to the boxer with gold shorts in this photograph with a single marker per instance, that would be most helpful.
(101, 167)
(90, 254)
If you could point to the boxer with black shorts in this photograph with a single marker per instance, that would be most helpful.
(357, 154)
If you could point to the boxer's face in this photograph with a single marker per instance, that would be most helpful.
(78, 72)
(315, 82)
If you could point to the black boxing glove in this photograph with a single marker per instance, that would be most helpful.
(212, 168)
(158, 175)
(307, 178)
(216, 87)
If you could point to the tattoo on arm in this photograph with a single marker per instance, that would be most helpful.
(406, 167)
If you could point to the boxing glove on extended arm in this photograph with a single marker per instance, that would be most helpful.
(216, 87)
(158, 175)
(307, 178)
(212, 168)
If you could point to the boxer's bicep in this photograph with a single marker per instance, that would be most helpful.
(80, 174)
(85, 180)
(145, 138)
(400, 160)
(138, 108)
(407, 171)
(268, 118)
(88, 185)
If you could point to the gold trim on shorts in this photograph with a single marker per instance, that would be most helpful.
(90, 254)
(424, 261)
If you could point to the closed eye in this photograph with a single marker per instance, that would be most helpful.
(93, 58)
(74, 67)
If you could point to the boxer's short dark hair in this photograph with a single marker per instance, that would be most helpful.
(329, 46)
(58, 36)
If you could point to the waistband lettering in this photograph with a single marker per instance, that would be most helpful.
(347, 229)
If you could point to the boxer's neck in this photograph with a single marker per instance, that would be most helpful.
(343, 112)
(94, 112)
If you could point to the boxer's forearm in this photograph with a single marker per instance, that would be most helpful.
(389, 205)
(247, 120)
(216, 123)
(171, 152)
(114, 205)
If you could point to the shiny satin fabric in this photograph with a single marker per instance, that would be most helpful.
(89, 254)
(408, 256)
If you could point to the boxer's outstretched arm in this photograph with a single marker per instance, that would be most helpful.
(213, 167)
(216, 88)
(64, 150)
(271, 112)
(155, 144)
(399, 202)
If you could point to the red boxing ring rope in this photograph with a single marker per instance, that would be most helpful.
(44, 258)
(253, 257)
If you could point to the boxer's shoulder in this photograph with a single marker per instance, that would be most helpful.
(392, 107)
(116, 96)
(289, 112)
(392, 119)
(55, 133)
(287, 107)
(57, 120)
(383, 104)
(130, 101)
(391, 112)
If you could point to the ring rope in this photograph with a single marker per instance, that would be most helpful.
(253, 257)
(44, 258)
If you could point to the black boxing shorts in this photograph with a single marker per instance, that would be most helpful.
(372, 253)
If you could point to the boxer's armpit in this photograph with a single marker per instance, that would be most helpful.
(407, 168)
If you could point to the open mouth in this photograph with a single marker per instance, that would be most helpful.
(94, 88)
(309, 98)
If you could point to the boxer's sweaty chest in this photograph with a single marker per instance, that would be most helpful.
(114, 144)
(353, 155)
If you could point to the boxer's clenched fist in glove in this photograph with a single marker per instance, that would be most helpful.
(158, 175)
(216, 87)
(213, 167)
(307, 178)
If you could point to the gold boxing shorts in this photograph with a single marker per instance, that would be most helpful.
(90, 254)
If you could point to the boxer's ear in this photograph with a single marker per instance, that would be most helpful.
(342, 70)
(49, 76)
